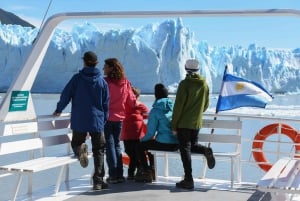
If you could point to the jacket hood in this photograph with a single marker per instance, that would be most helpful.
(164, 104)
(90, 74)
(195, 77)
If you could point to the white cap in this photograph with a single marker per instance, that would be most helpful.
(192, 65)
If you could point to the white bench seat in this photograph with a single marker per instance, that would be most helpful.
(282, 180)
(40, 164)
(43, 136)
(226, 132)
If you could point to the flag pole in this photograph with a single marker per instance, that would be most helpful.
(216, 113)
(221, 90)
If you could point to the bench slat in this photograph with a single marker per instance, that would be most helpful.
(224, 124)
(218, 138)
(273, 173)
(41, 136)
(283, 177)
(291, 184)
(19, 128)
(50, 162)
(296, 183)
(50, 125)
(40, 164)
(56, 140)
(20, 165)
(20, 146)
(216, 154)
(225, 132)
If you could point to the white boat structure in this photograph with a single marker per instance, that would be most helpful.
(246, 180)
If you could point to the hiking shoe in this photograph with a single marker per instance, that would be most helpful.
(121, 179)
(211, 162)
(130, 174)
(99, 186)
(112, 180)
(143, 176)
(130, 177)
(185, 184)
(83, 155)
(153, 174)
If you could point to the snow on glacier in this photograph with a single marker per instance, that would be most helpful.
(150, 54)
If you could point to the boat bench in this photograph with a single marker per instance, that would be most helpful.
(224, 139)
(282, 180)
(47, 146)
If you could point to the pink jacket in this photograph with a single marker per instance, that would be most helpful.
(120, 97)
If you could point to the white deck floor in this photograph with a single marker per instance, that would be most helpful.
(161, 190)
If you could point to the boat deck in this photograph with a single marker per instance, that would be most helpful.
(163, 189)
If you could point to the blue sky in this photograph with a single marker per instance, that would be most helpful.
(273, 32)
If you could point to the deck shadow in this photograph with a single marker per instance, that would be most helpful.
(261, 196)
(131, 186)
(162, 191)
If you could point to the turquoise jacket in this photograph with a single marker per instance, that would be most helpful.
(159, 122)
(192, 99)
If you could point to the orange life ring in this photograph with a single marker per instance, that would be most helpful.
(266, 132)
(125, 159)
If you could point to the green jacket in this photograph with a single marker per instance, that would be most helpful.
(192, 99)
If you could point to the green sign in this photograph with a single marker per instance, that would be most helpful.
(18, 101)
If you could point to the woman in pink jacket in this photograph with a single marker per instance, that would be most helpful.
(121, 96)
(133, 130)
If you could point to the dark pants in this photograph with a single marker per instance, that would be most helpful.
(112, 132)
(130, 150)
(98, 146)
(188, 143)
(143, 147)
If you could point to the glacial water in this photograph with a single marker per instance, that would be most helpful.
(283, 106)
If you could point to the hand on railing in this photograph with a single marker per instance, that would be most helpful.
(57, 113)
(174, 133)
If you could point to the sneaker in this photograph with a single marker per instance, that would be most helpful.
(112, 180)
(144, 176)
(208, 153)
(185, 184)
(99, 186)
(130, 174)
(83, 155)
(130, 177)
(121, 179)
(153, 174)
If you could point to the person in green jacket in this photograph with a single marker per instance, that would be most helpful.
(192, 99)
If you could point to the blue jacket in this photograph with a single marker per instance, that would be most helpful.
(89, 94)
(159, 122)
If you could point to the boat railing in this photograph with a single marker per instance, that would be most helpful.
(275, 146)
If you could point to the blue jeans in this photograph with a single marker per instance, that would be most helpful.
(112, 131)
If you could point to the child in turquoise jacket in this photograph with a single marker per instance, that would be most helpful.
(159, 135)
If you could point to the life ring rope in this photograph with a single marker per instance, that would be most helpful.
(260, 137)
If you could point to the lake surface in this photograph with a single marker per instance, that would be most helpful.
(282, 105)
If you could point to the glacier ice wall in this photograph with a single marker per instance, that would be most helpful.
(150, 54)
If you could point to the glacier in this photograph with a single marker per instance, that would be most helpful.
(150, 54)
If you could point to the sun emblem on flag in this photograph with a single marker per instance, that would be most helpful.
(239, 86)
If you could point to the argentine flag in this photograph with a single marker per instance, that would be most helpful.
(238, 92)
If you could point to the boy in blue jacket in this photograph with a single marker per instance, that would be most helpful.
(88, 92)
